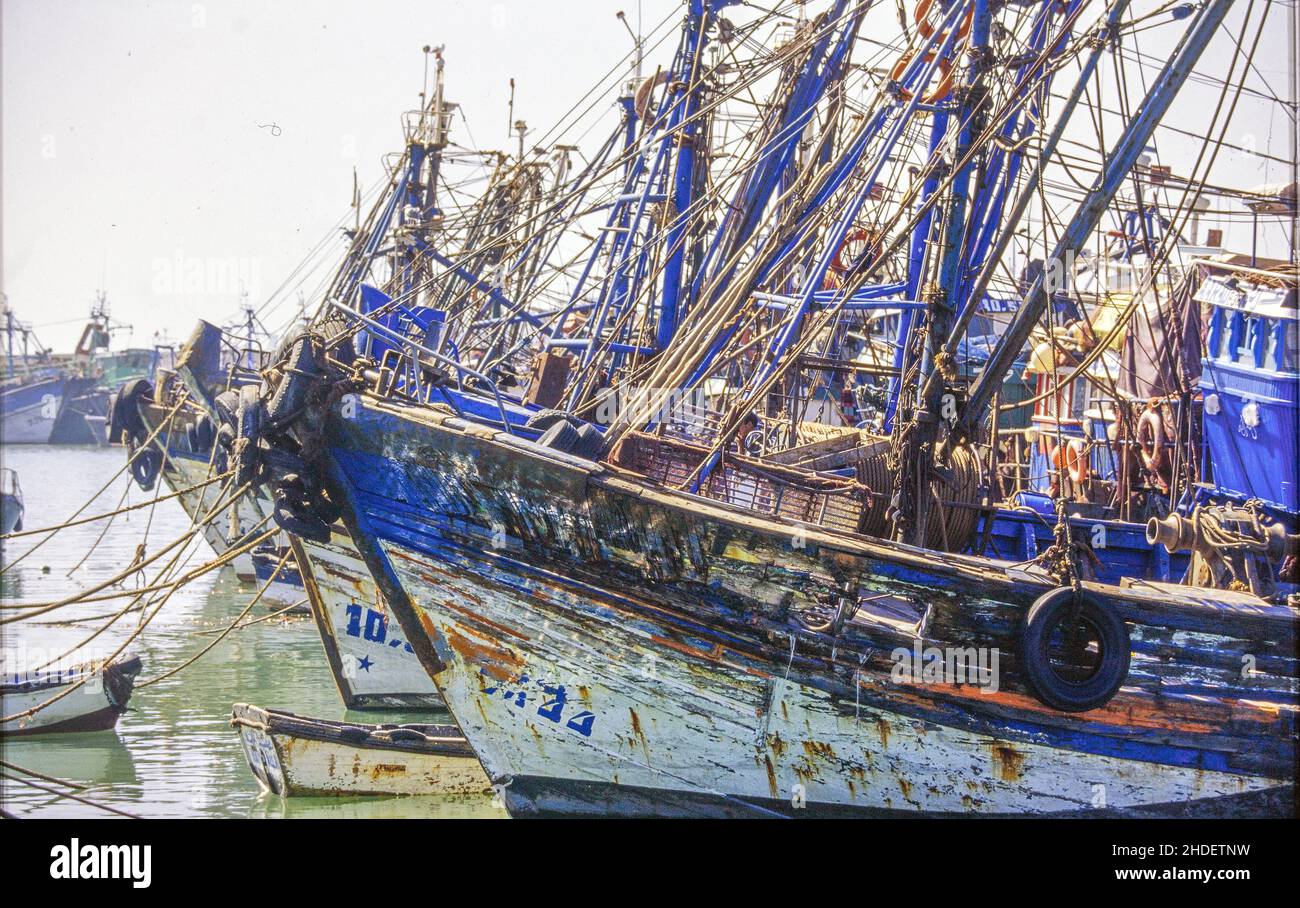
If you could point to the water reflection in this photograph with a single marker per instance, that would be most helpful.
(174, 752)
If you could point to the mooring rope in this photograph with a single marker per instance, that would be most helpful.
(32, 609)
(267, 617)
(69, 795)
(171, 414)
(121, 510)
(222, 636)
(223, 559)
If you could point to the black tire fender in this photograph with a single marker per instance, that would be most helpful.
(590, 444)
(145, 465)
(1043, 618)
(561, 436)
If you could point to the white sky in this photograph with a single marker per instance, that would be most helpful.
(135, 136)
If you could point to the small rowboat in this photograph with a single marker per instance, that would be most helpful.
(94, 706)
(291, 754)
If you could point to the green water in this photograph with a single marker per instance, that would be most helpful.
(173, 754)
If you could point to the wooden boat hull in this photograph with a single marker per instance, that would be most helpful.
(369, 671)
(373, 665)
(594, 636)
(294, 755)
(95, 706)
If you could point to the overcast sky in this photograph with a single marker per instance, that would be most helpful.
(140, 138)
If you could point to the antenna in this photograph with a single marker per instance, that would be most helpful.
(510, 108)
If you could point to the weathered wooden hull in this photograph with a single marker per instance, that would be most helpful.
(95, 706)
(593, 635)
(370, 673)
(374, 667)
(294, 755)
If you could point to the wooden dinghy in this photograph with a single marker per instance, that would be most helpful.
(94, 706)
(291, 754)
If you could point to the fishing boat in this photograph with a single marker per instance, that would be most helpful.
(11, 502)
(654, 615)
(372, 665)
(295, 755)
(98, 700)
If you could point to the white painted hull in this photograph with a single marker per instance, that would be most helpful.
(373, 664)
(577, 729)
(94, 706)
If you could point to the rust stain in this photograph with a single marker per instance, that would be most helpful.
(905, 787)
(500, 663)
(818, 749)
(387, 769)
(771, 775)
(777, 745)
(882, 727)
(1007, 761)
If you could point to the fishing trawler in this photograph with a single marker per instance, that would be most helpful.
(33, 389)
(634, 607)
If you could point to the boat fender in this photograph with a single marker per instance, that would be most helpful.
(302, 510)
(124, 415)
(250, 428)
(353, 734)
(301, 369)
(292, 517)
(1151, 439)
(1053, 612)
(204, 433)
(590, 444)
(145, 465)
(544, 419)
(561, 436)
(227, 406)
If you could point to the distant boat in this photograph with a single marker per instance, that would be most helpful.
(95, 706)
(11, 502)
(30, 406)
(291, 754)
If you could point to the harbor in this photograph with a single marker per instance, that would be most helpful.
(836, 412)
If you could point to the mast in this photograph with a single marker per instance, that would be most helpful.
(1136, 133)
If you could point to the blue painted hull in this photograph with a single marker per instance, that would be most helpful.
(1023, 535)
(598, 638)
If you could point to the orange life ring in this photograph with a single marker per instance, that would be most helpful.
(1151, 439)
(921, 16)
(857, 235)
(940, 92)
(1076, 461)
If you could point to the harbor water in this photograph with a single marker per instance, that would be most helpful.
(174, 753)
